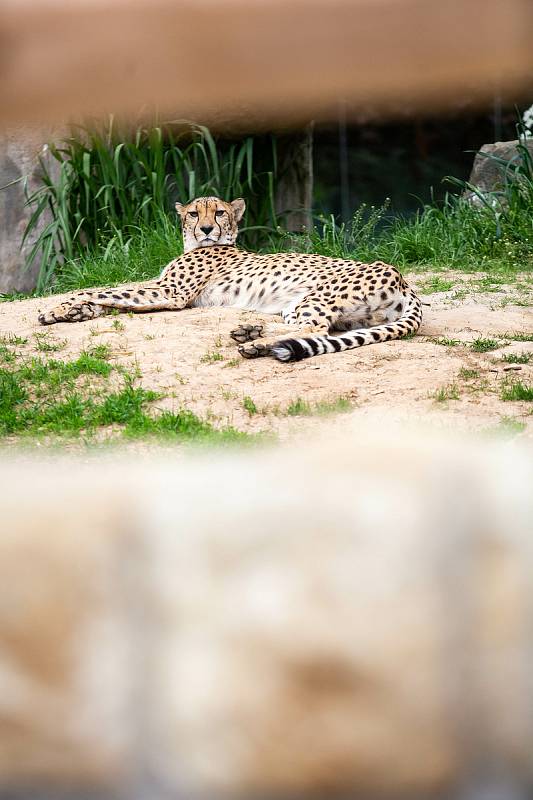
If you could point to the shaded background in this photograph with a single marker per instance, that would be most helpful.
(405, 160)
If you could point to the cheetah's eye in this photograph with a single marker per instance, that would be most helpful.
(219, 213)
(193, 214)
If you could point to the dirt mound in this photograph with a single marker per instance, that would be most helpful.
(438, 375)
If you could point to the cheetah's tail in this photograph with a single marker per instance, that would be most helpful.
(308, 346)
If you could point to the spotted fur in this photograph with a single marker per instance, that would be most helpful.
(336, 304)
(208, 221)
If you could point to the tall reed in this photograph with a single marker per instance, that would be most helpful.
(107, 181)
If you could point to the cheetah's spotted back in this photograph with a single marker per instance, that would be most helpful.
(335, 304)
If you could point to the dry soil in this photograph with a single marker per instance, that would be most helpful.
(189, 357)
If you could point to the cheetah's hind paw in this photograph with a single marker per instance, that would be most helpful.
(254, 350)
(246, 333)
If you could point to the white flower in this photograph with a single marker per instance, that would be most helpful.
(527, 118)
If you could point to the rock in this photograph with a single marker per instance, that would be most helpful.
(487, 174)
(19, 156)
(65, 675)
(348, 618)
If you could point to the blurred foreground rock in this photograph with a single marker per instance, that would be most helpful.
(352, 619)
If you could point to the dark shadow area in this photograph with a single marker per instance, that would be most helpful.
(405, 161)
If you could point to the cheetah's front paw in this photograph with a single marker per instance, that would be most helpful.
(254, 350)
(68, 312)
(246, 333)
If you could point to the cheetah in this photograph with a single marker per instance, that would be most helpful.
(336, 304)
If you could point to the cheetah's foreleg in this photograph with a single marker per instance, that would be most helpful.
(88, 305)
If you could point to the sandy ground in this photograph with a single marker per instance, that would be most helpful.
(190, 358)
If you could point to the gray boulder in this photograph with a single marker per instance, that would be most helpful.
(19, 156)
(487, 174)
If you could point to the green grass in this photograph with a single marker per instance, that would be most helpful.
(435, 284)
(233, 362)
(484, 345)
(435, 238)
(494, 234)
(100, 351)
(490, 283)
(47, 344)
(445, 393)
(118, 325)
(455, 236)
(110, 204)
(298, 408)
(211, 357)
(517, 391)
(517, 337)
(76, 399)
(7, 356)
(301, 408)
(145, 250)
(507, 426)
(249, 405)
(140, 255)
(516, 301)
(13, 340)
(517, 358)
(446, 342)
(468, 374)
(10, 297)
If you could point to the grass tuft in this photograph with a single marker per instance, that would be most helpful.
(249, 405)
(301, 408)
(13, 340)
(47, 344)
(507, 426)
(517, 337)
(445, 342)
(517, 391)
(517, 358)
(445, 393)
(298, 408)
(211, 357)
(468, 374)
(435, 284)
(484, 345)
(233, 362)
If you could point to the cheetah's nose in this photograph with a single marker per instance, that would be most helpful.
(206, 228)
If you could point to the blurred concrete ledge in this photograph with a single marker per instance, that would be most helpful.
(354, 620)
(282, 62)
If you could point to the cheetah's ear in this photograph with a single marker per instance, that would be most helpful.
(180, 209)
(238, 207)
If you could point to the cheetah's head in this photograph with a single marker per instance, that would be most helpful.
(209, 220)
